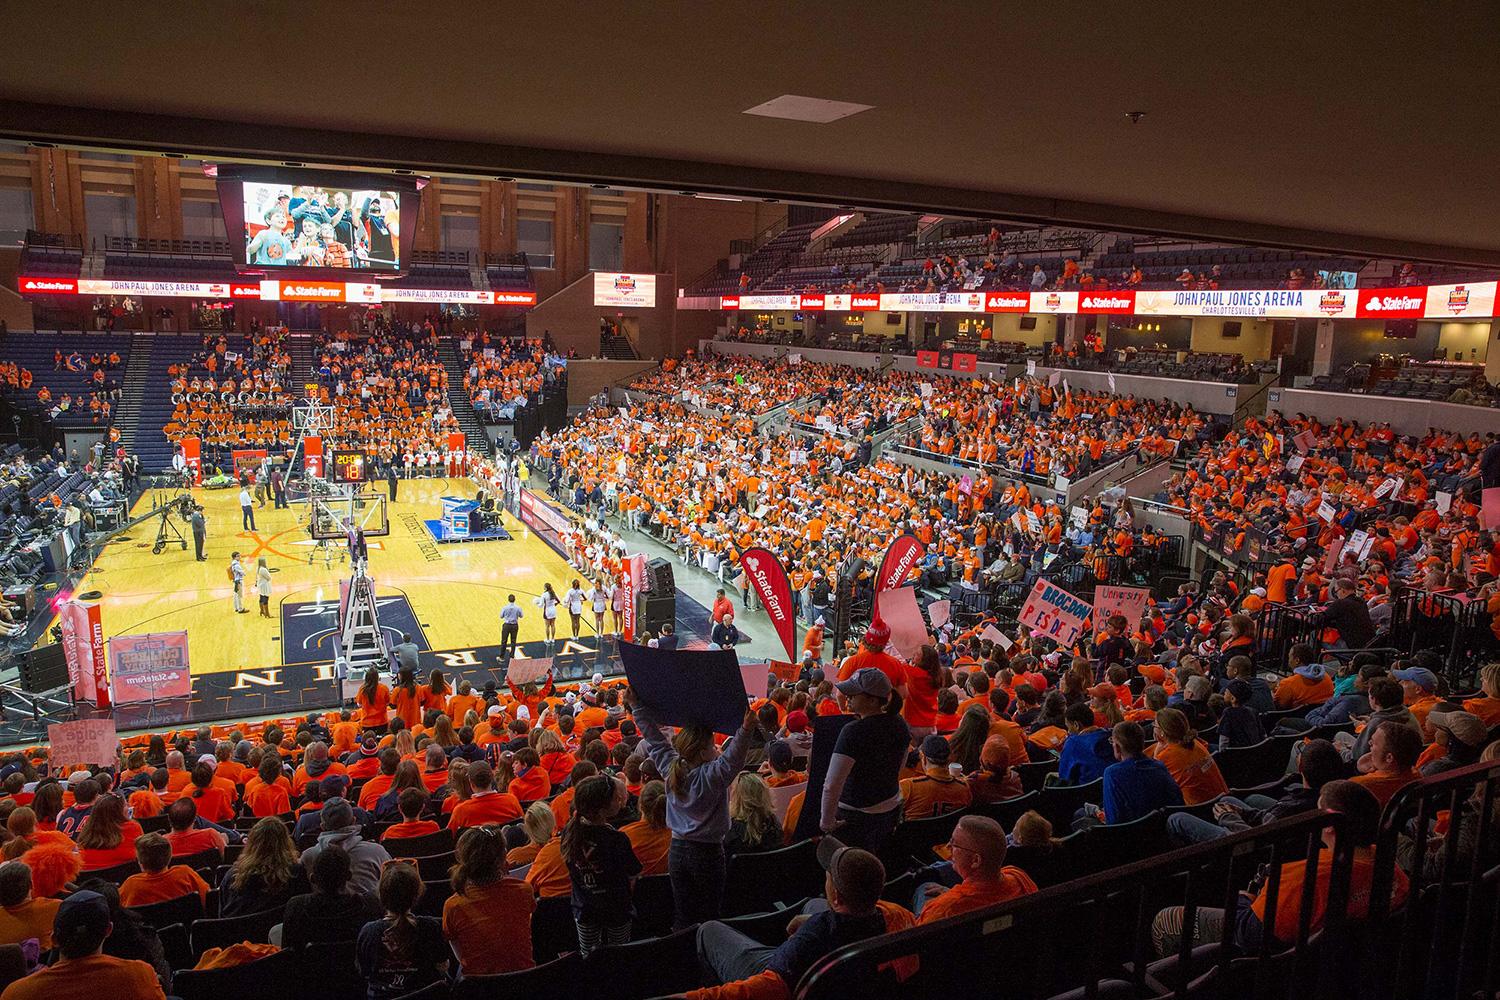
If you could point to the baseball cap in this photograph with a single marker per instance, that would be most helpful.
(867, 681)
(935, 749)
(1241, 691)
(857, 874)
(209, 759)
(1105, 691)
(83, 910)
(995, 752)
(1466, 727)
(79, 776)
(494, 710)
(334, 785)
(779, 753)
(1420, 676)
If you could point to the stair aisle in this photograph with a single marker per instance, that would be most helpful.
(463, 407)
(127, 411)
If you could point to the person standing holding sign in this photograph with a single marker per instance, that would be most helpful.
(697, 777)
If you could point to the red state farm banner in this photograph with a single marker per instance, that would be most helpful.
(1112, 302)
(146, 668)
(864, 302)
(769, 579)
(927, 359)
(457, 459)
(1392, 303)
(631, 582)
(895, 568)
(811, 303)
(192, 454)
(965, 362)
(83, 648)
(1007, 302)
(312, 456)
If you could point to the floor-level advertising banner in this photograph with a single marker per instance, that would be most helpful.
(151, 667)
(83, 647)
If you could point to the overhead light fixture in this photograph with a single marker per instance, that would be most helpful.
(816, 110)
(717, 197)
(292, 163)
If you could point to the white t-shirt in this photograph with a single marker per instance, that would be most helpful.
(245, 498)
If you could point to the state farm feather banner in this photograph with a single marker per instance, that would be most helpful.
(768, 577)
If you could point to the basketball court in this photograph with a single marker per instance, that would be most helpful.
(447, 596)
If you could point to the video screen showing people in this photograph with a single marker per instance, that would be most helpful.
(308, 225)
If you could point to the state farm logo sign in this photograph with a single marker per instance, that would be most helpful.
(49, 286)
(1107, 302)
(1392, 303)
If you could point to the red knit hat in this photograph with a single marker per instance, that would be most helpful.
(878, 634)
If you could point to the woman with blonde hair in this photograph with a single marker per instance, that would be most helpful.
(753, 825)
(1187, 757)
(540, 825)
(263, 586)
(1487, 707)
(459, 789)
(649, 836)
(405, 744)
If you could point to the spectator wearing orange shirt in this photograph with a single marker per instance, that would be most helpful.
(22, 915)
(269, 793)
(160, 880)
(83, 923)
(107, 838)
(649, 836)
(1187, 758)
(1391, 762)
(937, 790)
(978, 849)
(186, 837)
(373, 701)
(1308, 684)
(488, 917)
(486, 805)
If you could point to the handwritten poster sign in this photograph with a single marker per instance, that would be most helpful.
(88, 741)
(1128, 601)
(1053, 612)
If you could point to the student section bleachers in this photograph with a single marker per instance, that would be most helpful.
(36, 351)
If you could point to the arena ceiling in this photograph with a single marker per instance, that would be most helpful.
(1368, 128)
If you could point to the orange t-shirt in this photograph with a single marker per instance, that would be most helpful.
(1193, 769)
(410, 828)
(650, 845)
(1384, 785)
(89, 978)
(374, 713)
(548, 875)
(268, 800)
(173, 883)
(31, 919)
(408, 706)
(968, 896)
(481, 810)
(490, 927)
(1294, 877)
(933, 794)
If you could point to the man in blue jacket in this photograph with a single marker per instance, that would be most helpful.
(1134, 786)
(1086, 753)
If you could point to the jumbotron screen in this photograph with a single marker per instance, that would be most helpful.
(317, 222)
(308, 225)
